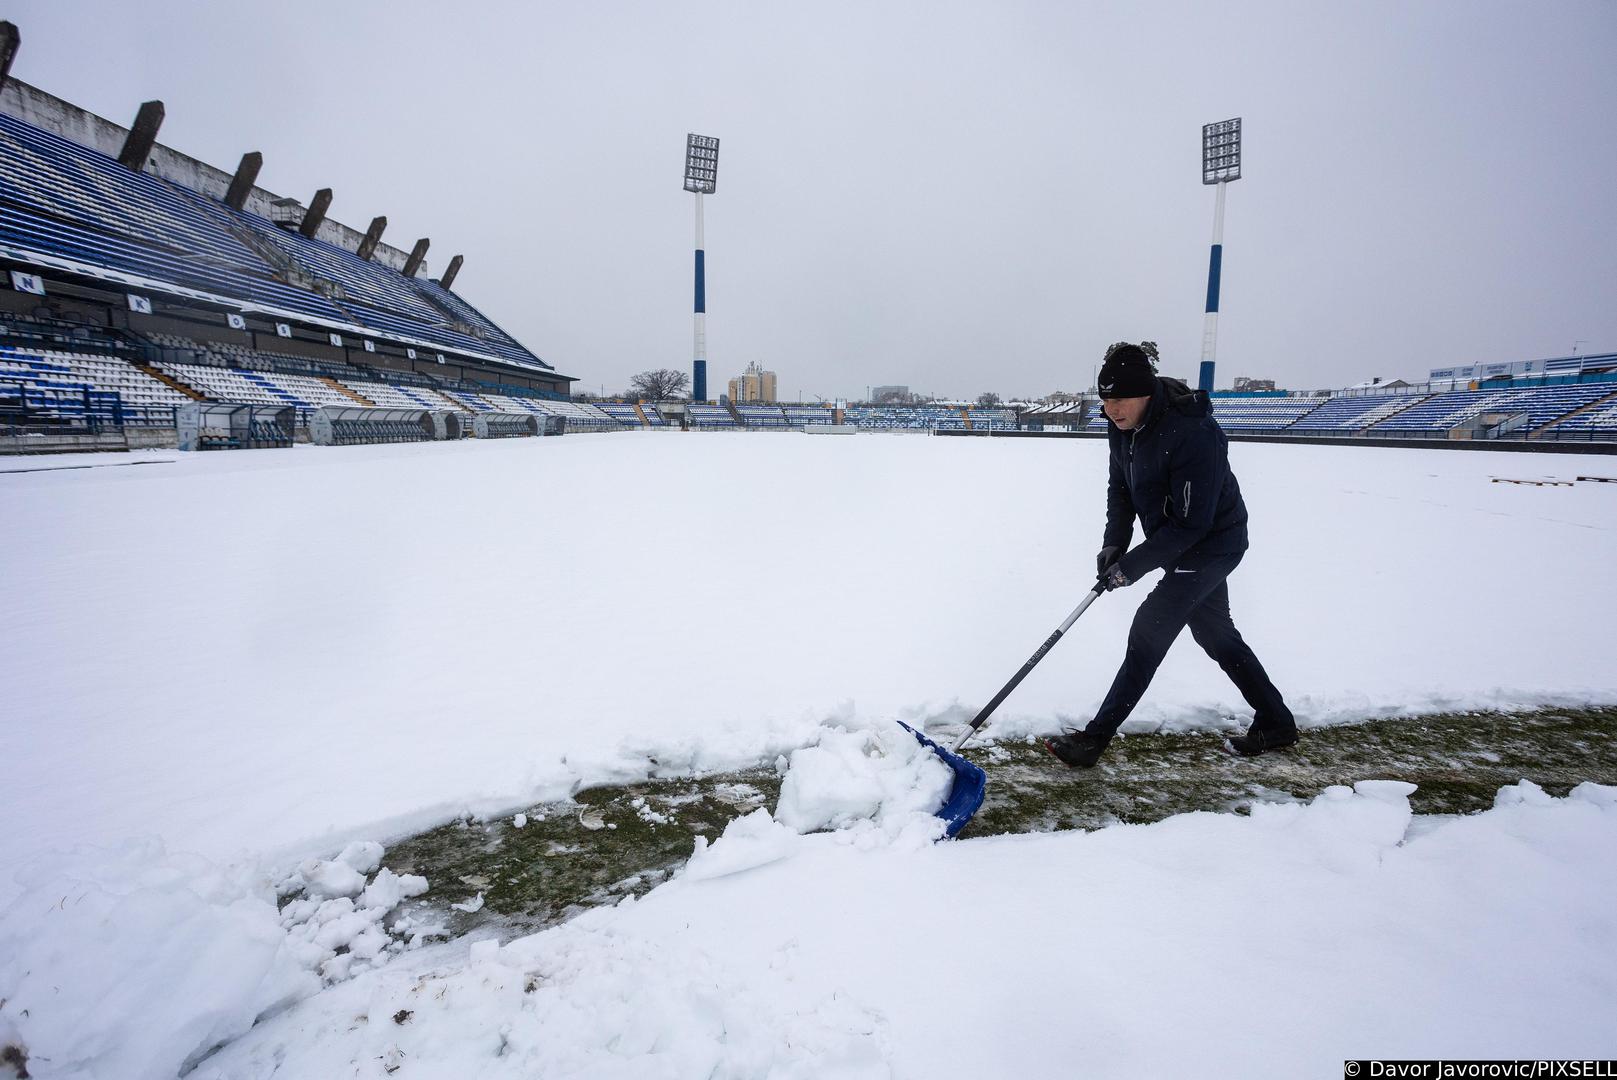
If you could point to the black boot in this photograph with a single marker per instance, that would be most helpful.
(1076, 749)
(1259, 741)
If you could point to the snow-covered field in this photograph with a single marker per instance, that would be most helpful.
(221, 665)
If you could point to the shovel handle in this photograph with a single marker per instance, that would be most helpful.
(1049, 643)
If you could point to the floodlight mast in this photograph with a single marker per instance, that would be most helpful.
(1221, 163)
(701, 177)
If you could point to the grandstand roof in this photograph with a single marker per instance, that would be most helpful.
(1379, 384)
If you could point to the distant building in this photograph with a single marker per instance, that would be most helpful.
(898, 394)
(1252, 386)
(754, 384)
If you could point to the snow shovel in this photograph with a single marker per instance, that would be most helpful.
(970, 782)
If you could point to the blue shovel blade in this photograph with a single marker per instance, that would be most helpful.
(965, 795)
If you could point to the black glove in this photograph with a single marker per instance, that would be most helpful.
(1104, 561)
(1114, 578)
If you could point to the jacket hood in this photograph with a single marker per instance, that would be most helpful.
(1177, 395)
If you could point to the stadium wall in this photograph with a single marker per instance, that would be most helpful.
(43, 110)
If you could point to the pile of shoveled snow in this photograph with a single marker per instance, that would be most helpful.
(881, 774)
(1347, 926)
(877, 786)
(1353, 926)
(133, 961)
(341, 925)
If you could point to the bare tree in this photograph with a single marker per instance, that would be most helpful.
(664, 384)
(988, 399)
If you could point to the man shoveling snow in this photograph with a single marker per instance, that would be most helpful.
(1170, 467)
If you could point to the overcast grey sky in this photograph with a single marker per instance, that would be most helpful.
(956, 196)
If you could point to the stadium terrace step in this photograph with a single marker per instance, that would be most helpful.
(1375, 416)
(169, 381)
(341, 389)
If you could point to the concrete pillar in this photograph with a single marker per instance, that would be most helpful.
(454, 268)
(10, 39)
(373, 236)
(316, 212)
(417, 256)
(241, 185)
(142, 137)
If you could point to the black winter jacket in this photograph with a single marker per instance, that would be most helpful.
(1173, 471)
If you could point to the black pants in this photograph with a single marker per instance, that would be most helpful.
(1200, 599)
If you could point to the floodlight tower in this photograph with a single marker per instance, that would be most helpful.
(1221, 163)
(701, 178)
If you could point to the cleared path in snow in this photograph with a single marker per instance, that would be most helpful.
(611, 842)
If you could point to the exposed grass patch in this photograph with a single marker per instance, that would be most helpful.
(596, 848)
(608, 843)
(1458, 760)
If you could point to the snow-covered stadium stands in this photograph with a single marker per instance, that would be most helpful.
(992, 419)
(216, 383)
(1355, 413)
(904, 418)
(1541, 404)
(803, 415)
(1599, 421)
(1530, 411)
(768, 417)
(1061, 414)
(68, 384)
(643, 414)
(1236, 412)
(69, 202)
(709, 416)
(620, 411)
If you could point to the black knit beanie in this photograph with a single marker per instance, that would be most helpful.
(1127, 373)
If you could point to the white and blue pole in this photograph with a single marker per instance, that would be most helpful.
(1215, 267)
(699, 363)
